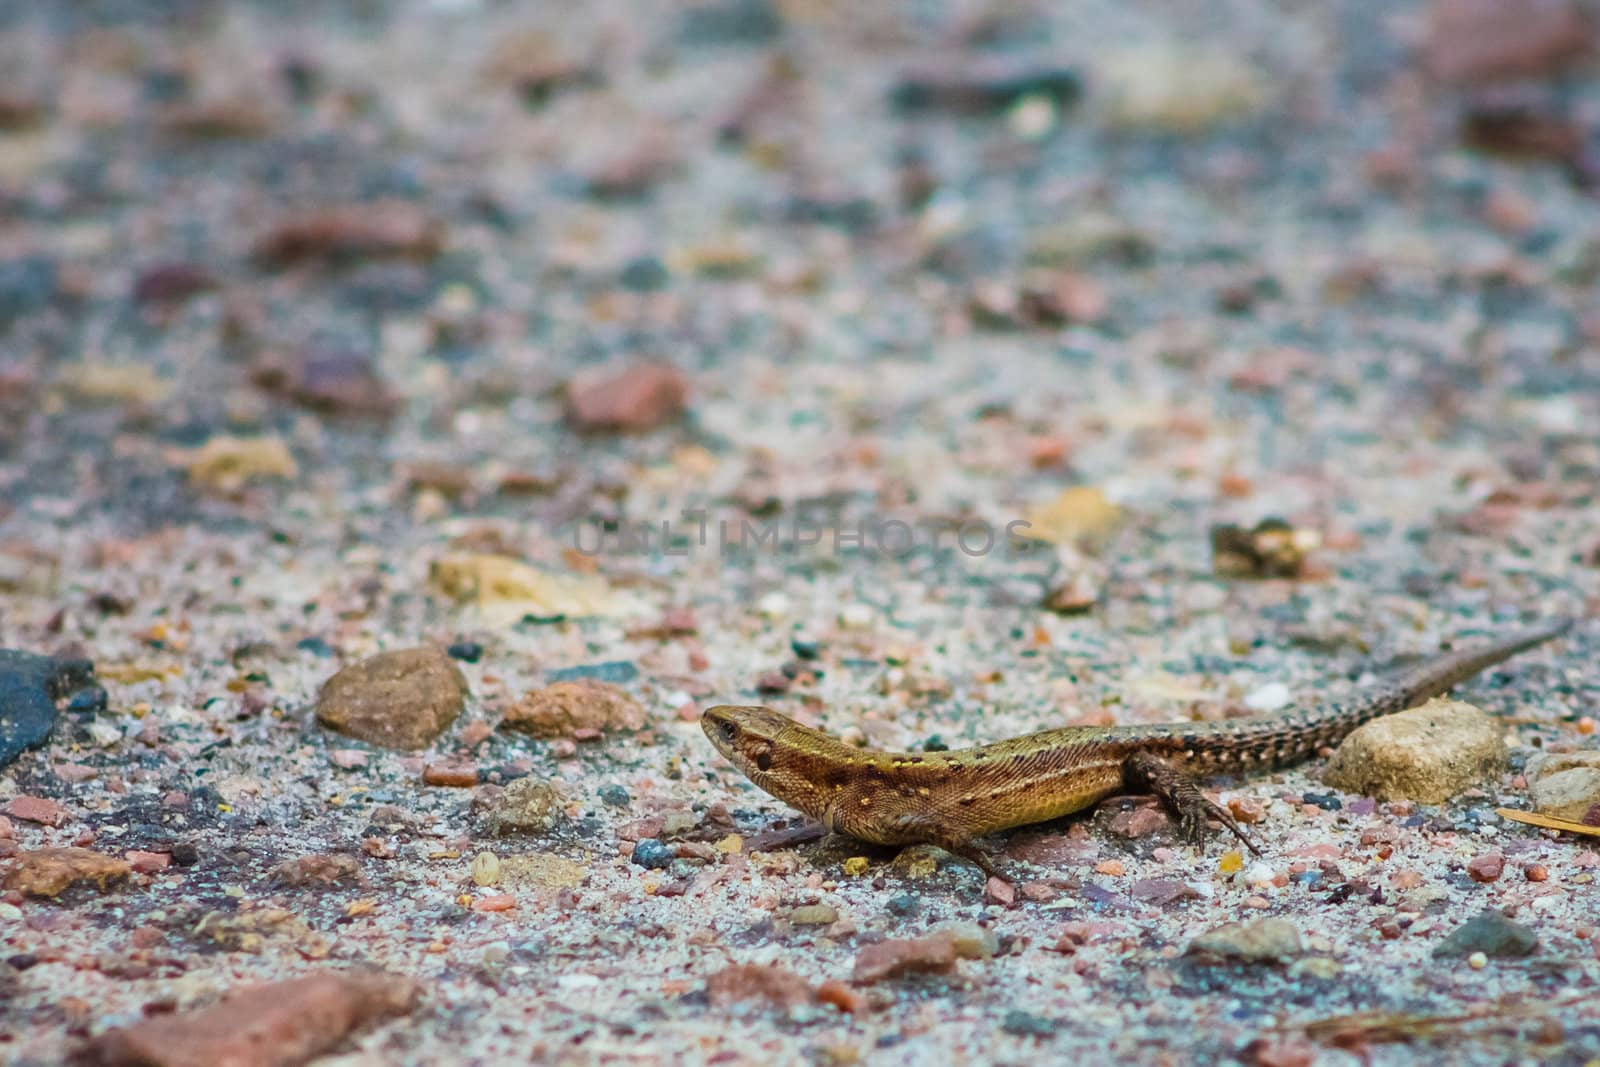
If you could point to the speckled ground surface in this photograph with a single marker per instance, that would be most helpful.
(1309, 302)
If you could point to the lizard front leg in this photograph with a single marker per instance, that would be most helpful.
(1146, 772)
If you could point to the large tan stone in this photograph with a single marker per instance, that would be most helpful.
(1426, 754)
(400, 699)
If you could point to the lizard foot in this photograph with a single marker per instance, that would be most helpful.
(1147, 772)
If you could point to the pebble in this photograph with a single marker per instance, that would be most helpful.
(562, 709)
(1492, 934)
(633, 399)
(983, 84)
(652, 854)
(1426, 754)
(1259, 873)
(30, 685)
(999, 891)
(748, 981)
(813, 915)
(1139, 822)
(896, 958)
(1270, 697)
(47, 872)
(1263, 940)
(1487, 867)
(319, 869)
(1021, 1024)
(774, 605)
(485, 869)
(1566, 785)
(904, 904)
(528, 805)
(372, 230)
(41, 810)
(614, 795)
(856, 616)
(465, 651)
(403, 699)
(503, 586)
(456, 774)
(1485, 41)
(971, 941)
(266, 1025)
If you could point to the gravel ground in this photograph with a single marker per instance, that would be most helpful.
(390, 326)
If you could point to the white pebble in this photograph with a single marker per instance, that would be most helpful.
(856, 617)
(773, 605)
(9, 912)
(104, 734)
(1477, 961)
(1270, 697)
(1258, 873)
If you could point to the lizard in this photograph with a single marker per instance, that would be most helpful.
(952, 798)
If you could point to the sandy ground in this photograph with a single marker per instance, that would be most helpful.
(1250, 272)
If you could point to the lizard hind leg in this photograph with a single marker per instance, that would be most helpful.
(1145, 772)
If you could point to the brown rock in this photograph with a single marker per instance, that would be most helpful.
(999, 891)
(527, 805)
(401, 699)
(894, 958)
(842, 997)
(49, 871)
(1478, 41)
(562, 709)
(333, 381)
(172, 283)
(148, 862)
(1566, 785)
(631, 400)
(1487, 867)
(272, 1025)
(1427, 754)
(392, 229)
(748, 981)
(1139, 822)
(458, 774)
(318, 870)
(37, 809)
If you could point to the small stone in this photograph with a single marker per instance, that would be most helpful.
(1490, 933)
(857, 617)
(1073, 597)
(333, 869)
(41, 810)
(842, 997)
(614, 795)
(561, 709)
(1111, 868)
(1247, 810)
(528, 806)
(1081, 515)
(172, 283)
(403, 699)
(630, 400)
(774, 605)
(455, 774)
(543, 870)
(1021, 1024)
(1264, 940)
(1477, 961)
(904, 904)
(465, 651)
(1177, 87)
(652, 854)
(856, 866)
(1426, 754)
(1140, 822)
(895, 958)
(1270, 549)
(1269, 697)
(971, 941)
(1566, 785)
(1487, 867)
(389, 229)
(485, 869)
(48, 872)
(747, 981)
(1038, 892)
(983, 84)
(1231, 862)
(1486, 41)
(999, 891)
(502, 586)
(813, 914)
(268, 1025)
(1162, 891)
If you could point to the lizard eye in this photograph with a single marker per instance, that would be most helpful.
(764, 761)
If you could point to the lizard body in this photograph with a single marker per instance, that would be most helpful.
(951, 798)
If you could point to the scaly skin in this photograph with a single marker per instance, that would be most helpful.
(951, 798)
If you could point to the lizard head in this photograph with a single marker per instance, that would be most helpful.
(784, 758)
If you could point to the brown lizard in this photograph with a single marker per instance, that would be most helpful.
(952, 798)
